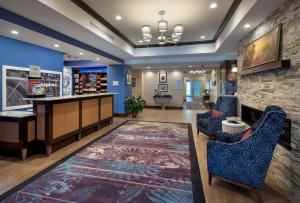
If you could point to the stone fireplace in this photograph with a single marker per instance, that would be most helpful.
(251, 115)
(279, 87)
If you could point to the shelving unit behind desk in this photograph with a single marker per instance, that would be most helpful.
(89, 82)
(62, 120)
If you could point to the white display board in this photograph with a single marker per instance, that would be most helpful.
(14, 86)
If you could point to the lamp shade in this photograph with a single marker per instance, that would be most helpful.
(234, 68)
(162, 26)
(175, 38)
(146, 30)
(178, 29)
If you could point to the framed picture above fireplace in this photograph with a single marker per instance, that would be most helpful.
(263, 50)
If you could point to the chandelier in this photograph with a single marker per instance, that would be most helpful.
(162, 26)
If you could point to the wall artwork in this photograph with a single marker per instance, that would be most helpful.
(133, 82)
(163, 87)
(67, 82)
(15, 82)
(263, 50)
(179, 84)
(162, 77)
(128, 79)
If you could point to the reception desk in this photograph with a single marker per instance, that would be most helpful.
(17, 132)
(61, 120)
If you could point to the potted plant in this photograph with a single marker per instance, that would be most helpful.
(135, 105)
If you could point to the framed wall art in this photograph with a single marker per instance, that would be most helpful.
(163, 87)
(128, 79)
(263, 50)
(15, 82)
(162, 77)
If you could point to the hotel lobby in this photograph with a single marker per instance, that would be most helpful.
(165, 101)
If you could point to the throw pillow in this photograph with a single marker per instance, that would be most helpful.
(215, 113)
(247, 134)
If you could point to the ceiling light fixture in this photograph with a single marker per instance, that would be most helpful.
(80, 53)
(203, 37)
(247, 25)
(162, 27)
(148, 67)
(98, 59)
(213, 5)
(190, 66)
(14, 32)
(141, 41)
(118, 17)
(56, 45)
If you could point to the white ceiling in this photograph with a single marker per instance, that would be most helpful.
(36, 11)
(196, 16)
(32, 37)
(67, 18)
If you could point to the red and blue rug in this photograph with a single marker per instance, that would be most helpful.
(137, 162)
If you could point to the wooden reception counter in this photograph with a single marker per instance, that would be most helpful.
(61, 120)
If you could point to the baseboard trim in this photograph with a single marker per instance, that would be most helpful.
(121, 114)
(168, 107)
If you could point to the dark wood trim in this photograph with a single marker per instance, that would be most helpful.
(167, 107)
(177, 44)
(6, 148)
(123, 115)
(235, 4)
(266, 67)
(63, 137)
(93, 125)
(81, 4)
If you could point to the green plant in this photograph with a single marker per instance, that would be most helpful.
(135, 105)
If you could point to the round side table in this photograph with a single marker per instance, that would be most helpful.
(233, 128)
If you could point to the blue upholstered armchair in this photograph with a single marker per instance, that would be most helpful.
(210, 125)
(246, 162)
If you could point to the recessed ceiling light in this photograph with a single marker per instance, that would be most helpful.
(148, 67)
(190, 66)
(118, 17)
(98, 59)
(213, 5)
(247, 25)
(56, 45)
(141, 41)
(80, 53)
(203, 37)
(14, 32)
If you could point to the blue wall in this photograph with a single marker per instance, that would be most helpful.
(17, 53)
(118, 73)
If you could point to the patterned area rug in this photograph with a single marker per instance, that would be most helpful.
(137, 162)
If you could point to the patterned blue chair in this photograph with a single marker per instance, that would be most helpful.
(246, 162)
(210, 125)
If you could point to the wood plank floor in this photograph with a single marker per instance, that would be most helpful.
(14, 171)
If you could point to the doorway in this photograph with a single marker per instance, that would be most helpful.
(193, 90)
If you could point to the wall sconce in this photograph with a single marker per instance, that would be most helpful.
(234, 68)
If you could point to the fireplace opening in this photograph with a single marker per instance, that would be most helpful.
(251, 115)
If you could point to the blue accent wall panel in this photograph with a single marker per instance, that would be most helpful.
(118, 73)
(17, 53)
(34, 26)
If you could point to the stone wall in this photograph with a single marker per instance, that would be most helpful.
(279, 87)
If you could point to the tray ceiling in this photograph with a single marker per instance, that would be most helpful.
(196, 16)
